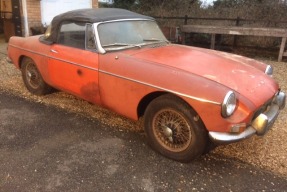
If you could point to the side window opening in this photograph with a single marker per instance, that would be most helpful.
(90, 37)
(72, 34)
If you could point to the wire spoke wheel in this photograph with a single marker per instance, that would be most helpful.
(172, 130)
(33, 76)
(33, 79)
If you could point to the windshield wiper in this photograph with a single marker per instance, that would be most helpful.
(121, 45)
(115, 44)
(152, 39)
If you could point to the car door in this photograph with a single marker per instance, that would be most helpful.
(73, 61)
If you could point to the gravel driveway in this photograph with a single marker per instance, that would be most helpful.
(268, 152)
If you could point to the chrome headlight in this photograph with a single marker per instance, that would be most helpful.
(229, 104)
(269, 70)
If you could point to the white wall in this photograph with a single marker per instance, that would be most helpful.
(106, 1)
(51, 8)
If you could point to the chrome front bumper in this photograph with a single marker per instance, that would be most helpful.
(260, 125)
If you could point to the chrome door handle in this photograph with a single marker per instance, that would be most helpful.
(53, 51)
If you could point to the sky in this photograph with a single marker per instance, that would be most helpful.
(207, 2)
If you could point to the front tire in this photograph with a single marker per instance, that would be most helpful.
(33, 79)
(174, 129)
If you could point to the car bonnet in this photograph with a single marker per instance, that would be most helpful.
(243, 75)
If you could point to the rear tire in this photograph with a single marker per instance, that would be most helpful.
(33, 79)
(174, 129)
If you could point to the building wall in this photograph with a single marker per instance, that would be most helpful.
(95, 4)
(34, 12)
(6, 6)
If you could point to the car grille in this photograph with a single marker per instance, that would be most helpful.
(263, 108)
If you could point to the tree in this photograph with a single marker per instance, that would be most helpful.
(233, 3)
(158, 7)
(267, 10)
(124, 4)
(167, 7)
(230, 3)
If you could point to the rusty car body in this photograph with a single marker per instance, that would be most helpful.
(189, 97)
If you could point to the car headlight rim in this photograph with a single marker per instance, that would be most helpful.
(228, 104)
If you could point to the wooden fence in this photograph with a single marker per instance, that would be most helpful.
(237, 21)
(235, 30)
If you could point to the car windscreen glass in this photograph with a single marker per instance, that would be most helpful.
(131, 33)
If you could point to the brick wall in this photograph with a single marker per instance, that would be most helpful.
(34, 13)
(95, 4)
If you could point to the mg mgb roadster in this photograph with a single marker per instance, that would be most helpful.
(188, 97)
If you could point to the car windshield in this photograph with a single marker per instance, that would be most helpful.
(131, 33)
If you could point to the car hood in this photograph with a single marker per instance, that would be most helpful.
(243, 75)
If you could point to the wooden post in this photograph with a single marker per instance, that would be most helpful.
(282, 48)
(212, 46)
(185, 19)
(183, 38)
(235, 37)
(184, 33)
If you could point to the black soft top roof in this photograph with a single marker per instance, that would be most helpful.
(91, 16)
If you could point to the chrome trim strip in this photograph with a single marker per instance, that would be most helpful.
(98, 42)
(28, 50)
(127, 78)
(48, 56)
(76, 64)
(161, 88)
(134, 19)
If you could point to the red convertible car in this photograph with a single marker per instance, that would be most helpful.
(189, 97)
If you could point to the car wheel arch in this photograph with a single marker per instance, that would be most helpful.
(146, 100)
(20, 60)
